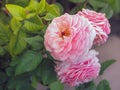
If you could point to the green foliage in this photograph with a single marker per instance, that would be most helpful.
(4, 34)
(3, 77)
(77, 1)
(103, 85)
(87, 86)
(56, 86)
(15, 25)
(17, 43)
(35, 42)
(28, 62)
(33, 24)
(17, 11)
(47, 72)
(105, 65)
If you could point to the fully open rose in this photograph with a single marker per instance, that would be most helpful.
(81, 71)
(68, 37)
(100, 24)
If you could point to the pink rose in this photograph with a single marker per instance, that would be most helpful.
(99, 22)
(68, 37)
(79, 72)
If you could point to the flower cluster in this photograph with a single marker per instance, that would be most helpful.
(69, 39)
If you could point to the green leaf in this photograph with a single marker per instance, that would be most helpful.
(35, 42)
(2, 51)
(103, 85)
(97, 4)
(33, 24)
(17, 43)
(57, 85)
(29, 61)
(34, 81)
(16, 82)
(60, 8)
(47, 72)
(17, 11)
(15, 61)
(3, 77)
(10, 71)
(15, 25)
(115, 5)
(36, 7)
(53, 9)
(49, 17)
(19, 2)
(86, 86)
(77, 1)
(4, 34)
(105, 65)
(33, 6)
(26, 87)
(42, 5)
(108, 11)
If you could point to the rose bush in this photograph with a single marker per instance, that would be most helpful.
(41, 44)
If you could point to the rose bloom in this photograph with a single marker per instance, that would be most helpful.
(80, 72)
(99, 22)
(68, 37)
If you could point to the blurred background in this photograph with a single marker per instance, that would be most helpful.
(109, 50)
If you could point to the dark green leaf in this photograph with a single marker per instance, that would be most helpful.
(19, 2)
(10, 71)
(26, 87)
(35, 42)
(3, 77)
(103, 85)
(18, 81)
(17, 11)
(87, 86)
(4, 34)
(77, 1)
(2, 51)
(97, 4)
(57, 85)
(29, 61)
(17, 43)
(105, 65)
(108, 11)
(15, 61)
(47, 72)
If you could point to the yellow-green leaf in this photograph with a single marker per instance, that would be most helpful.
(15, 25)
(17, 11)
(33, 24)
(17, 43)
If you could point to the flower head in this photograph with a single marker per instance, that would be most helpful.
(80, 72)
(100, 24)
(68, 37)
